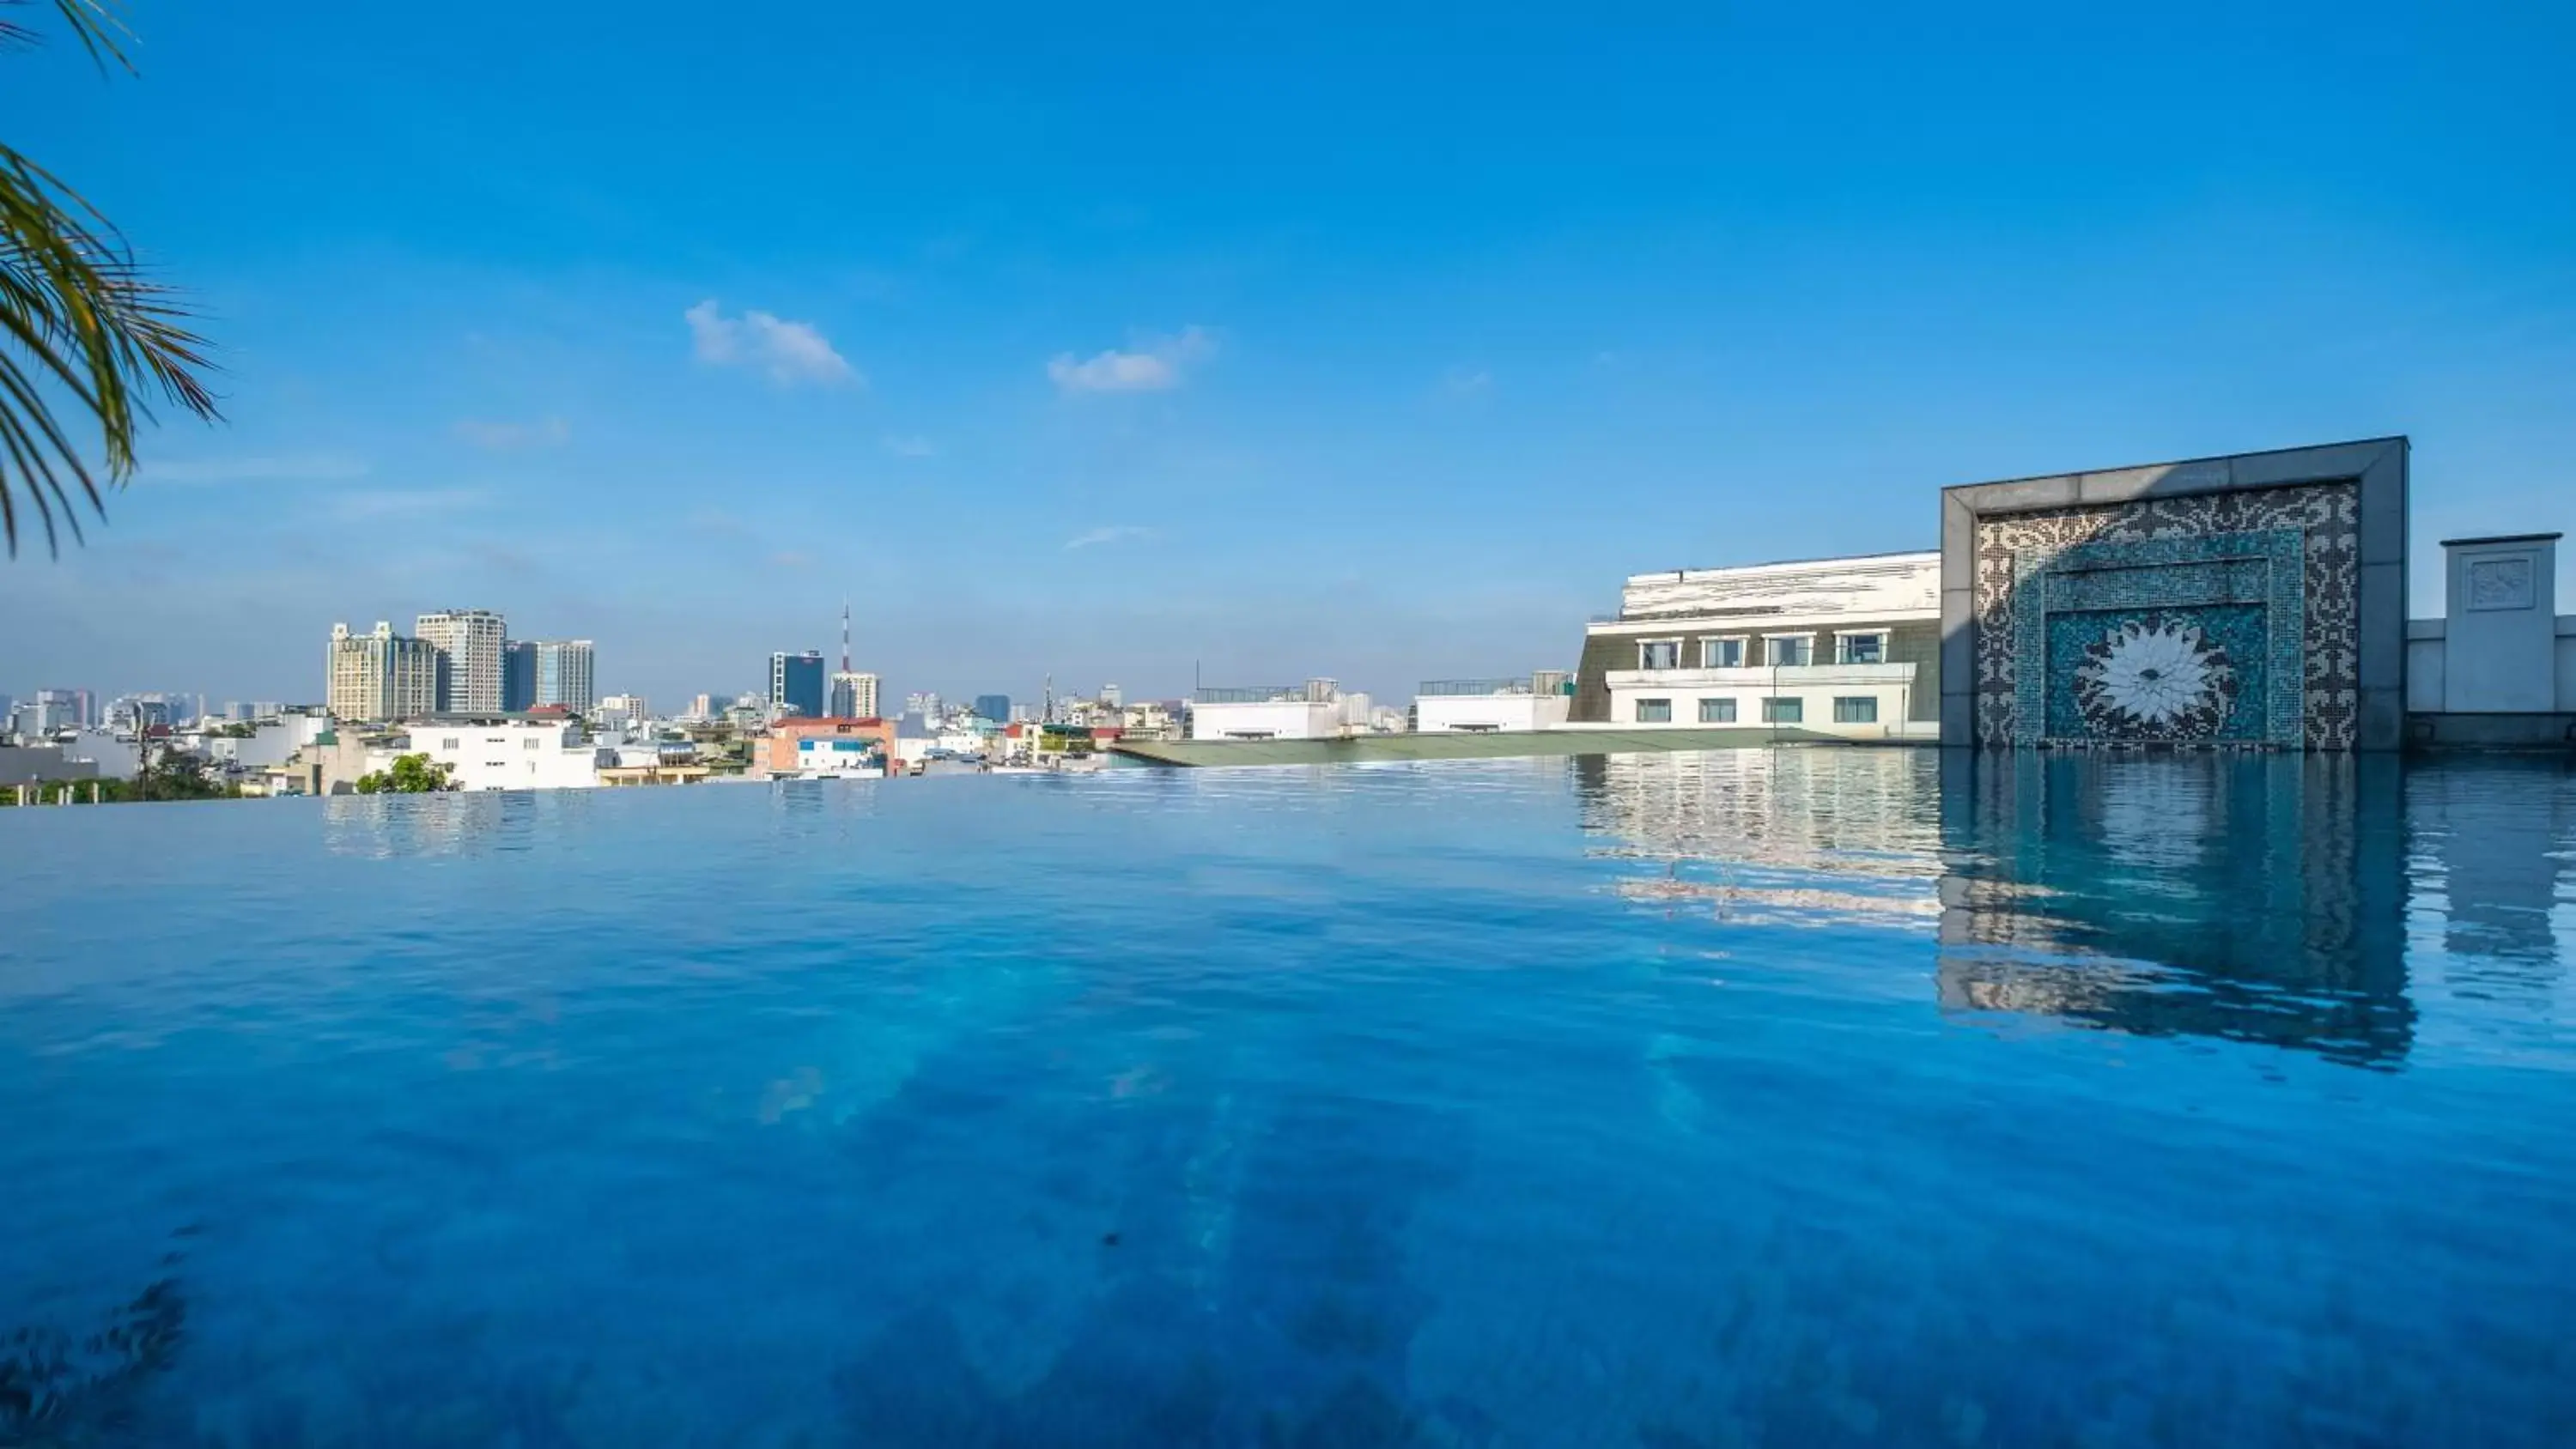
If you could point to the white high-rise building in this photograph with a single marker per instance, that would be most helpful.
(380, 675)
(854, 695)
(468, 642)
(566, 674)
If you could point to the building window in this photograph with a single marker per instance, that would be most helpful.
(1855, 709)
(1784, 711)
(1659, 654)
(1654, 711)
(1788, 651)
(1721, 654)
(447, 744)
(1717, 711)
(530, 743)
(1860, 649)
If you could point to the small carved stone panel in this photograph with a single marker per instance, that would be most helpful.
(2500, 583)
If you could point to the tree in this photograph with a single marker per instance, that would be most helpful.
(80, 321)
(408, 775)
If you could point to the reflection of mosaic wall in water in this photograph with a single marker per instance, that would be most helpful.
(2217, 618)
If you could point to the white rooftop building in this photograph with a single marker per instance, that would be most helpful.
(1492, 706)
(1315, 710)
(1845, 646)
(511, 754)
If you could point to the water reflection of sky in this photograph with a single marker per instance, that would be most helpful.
(1806, 1097)
(2341, 906)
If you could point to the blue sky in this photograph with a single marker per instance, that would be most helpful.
(1126, 342)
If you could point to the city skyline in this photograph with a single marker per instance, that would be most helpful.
(1239, 375)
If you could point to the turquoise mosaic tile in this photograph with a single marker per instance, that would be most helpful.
(2236, 640)
(2226, 612)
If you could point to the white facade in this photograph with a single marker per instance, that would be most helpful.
(842, 757)
(617, 711)
(272, 742)
(469, 647)
(1492, 706)
(1862, 701)
(1316, 710)
(1802, 645)
(509, 754)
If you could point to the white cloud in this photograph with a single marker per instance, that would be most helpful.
(1466, 382)
(1109, 533)
(1156, 364)
(547, 432)
(789, 352)
(914, 446)
(281, 468)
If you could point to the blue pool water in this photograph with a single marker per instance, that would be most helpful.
(1745, 1098)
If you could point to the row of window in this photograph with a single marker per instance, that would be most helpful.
(1848, 709)
(1786, 651)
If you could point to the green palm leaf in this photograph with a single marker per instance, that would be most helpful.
(82, 329)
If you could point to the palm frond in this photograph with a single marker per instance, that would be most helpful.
(78, 318)
(93, 22)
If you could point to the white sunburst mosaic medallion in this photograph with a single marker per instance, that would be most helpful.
(2155, 678)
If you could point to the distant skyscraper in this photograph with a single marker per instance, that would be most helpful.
(518, 675)
(61, 709)
(796, 683)
(565, 674)
(925, 704)
(854, 695)
(380, 676)
(704, 707)
(1112, 696)
(468, 642)
(994, 707)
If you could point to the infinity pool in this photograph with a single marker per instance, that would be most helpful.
(1747, 1098)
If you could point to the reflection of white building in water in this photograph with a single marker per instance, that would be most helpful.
(1847, 647)
(1798, 837)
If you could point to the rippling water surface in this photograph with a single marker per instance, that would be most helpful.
(1748, 1098)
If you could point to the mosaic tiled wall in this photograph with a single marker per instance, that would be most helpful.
(2221, 618)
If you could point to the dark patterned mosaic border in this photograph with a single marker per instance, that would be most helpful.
(2326, 520)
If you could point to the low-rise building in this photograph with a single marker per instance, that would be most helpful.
(617, 711)
(1521, 702)
(1315, 710)
(1847, 646)
(840, 757)
(266, 745)
(782, 753)
(332, 763)
(497, 753)
(651, 762)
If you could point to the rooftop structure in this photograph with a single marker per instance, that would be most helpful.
(1846, 647)
(1515, 703)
